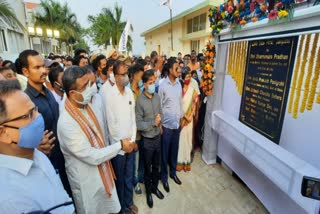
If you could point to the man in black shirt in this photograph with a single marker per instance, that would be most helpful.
(32, 66)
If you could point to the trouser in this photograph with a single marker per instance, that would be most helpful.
(123, 168)
(152, 156)
(169, 152)
(140, 177)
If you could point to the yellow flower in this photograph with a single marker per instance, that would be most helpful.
(283, 13)
(236, 13)
(219, 22)
(223, 14)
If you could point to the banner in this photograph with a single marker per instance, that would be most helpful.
(124, 38)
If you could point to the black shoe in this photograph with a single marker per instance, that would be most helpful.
(176, 179)
(166, 187)
(149, 200)
(158, 193)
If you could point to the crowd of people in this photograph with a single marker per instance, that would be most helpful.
(73, 128)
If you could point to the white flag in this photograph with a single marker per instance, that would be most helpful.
(167, 3)
(124, 38)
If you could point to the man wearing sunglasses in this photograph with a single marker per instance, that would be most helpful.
(33, 67)
(28, 181)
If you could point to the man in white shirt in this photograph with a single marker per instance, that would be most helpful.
(28, 181)
(84, 148)
(120, 112)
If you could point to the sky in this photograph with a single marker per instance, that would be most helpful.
(142, 14)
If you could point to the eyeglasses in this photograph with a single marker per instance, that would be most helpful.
(29, 115)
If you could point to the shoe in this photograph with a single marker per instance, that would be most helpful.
(176, 179)
(134, 209)
(166, 187)
(137, 189)
(158, 193)
(149, 200)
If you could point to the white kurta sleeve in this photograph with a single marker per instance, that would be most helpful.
(75, 142)
(133, 116)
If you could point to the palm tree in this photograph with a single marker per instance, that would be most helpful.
(7, 14)
(106, 26)
(57, 16)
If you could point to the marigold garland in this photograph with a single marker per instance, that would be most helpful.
(236, 62)
(207, 72)
(301, 76)
(309, 74)
(315, 83)
(295, 74)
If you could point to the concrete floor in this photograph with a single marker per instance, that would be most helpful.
(206, 189)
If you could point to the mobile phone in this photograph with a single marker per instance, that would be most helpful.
(310, 187)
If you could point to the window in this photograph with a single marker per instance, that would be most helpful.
(197, 23)
(203, 19)
(189, 30)
(16, 41)
(195, 45)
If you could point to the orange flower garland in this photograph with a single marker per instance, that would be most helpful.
(207, 72)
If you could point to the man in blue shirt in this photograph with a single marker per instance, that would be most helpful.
(170, 92)
(32, 66)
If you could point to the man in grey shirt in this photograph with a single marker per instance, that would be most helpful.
(148, 118)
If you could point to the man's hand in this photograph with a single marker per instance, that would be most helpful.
(158, 120)
(46, 142)
(127, 145)
(135, 146)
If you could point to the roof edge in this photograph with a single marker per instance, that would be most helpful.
(180, 15)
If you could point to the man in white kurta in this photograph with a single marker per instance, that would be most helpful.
(81, 158)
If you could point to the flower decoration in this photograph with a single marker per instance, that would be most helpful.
(283, 13)
(246, 11)
(207, 71)
(273, 15)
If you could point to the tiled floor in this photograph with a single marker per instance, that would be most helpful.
(206, 189)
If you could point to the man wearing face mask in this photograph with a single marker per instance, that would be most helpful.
(148, 116)
(86, 152)
(120, 111)
(55, 78)
(33, 68)
(28, 182)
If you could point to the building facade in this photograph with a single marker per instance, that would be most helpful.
(13, 40)
(191, 30)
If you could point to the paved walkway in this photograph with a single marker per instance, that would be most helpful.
(204, 190)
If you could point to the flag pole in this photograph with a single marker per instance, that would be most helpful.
(171, 29)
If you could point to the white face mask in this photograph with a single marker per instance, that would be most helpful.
(112, 79)
(86, 94)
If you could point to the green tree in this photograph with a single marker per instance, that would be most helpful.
(7, 14)
(106, 26)
(57, 16)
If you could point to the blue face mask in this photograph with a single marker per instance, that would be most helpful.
(151, 88)
(31, 134)
(140, 84)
